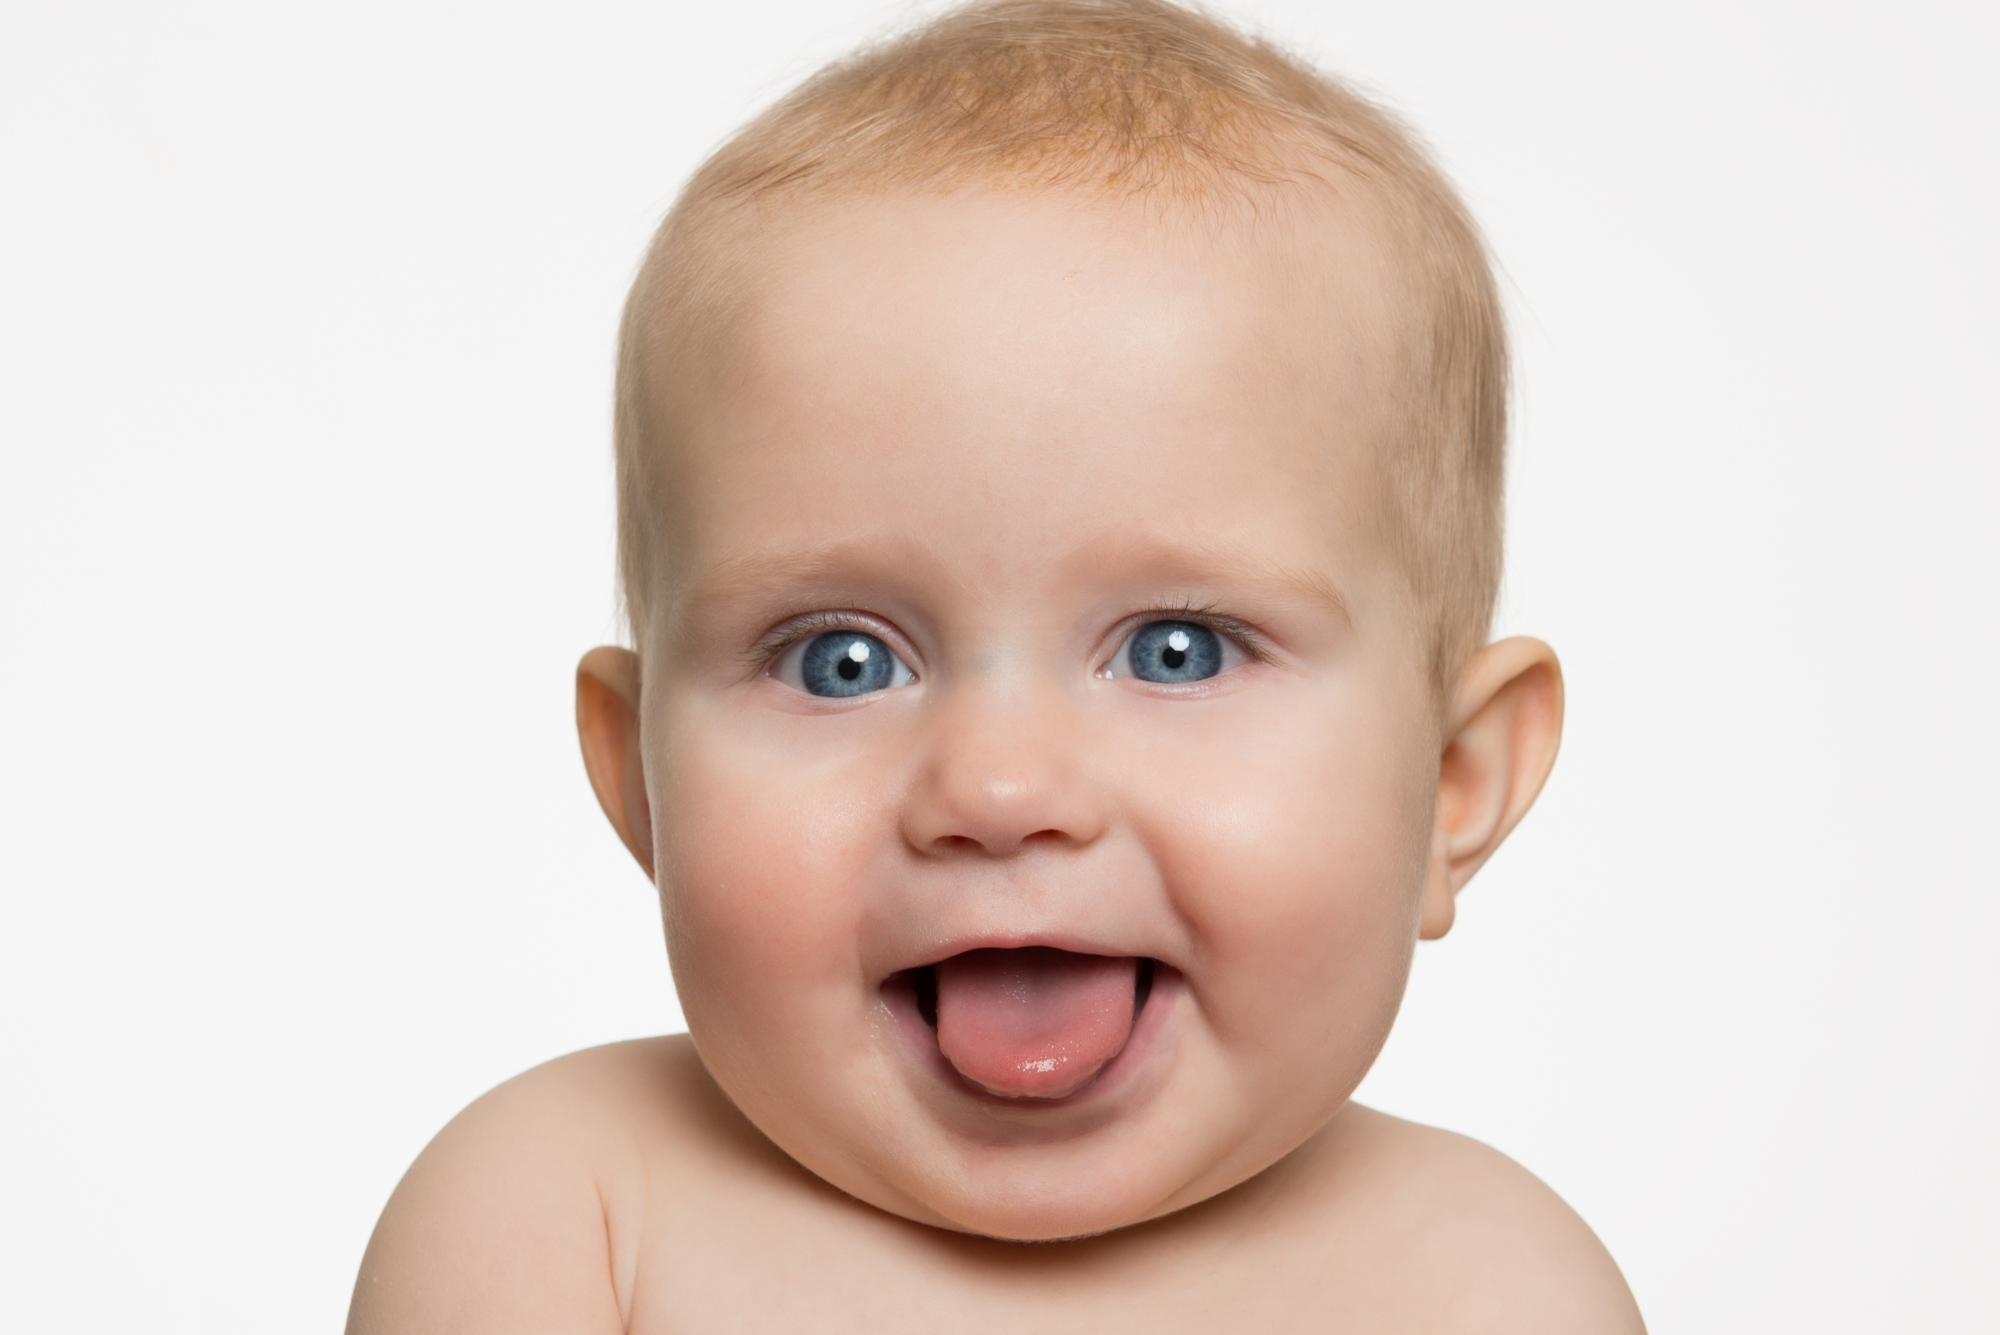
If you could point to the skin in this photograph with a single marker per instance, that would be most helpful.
(1002, 431)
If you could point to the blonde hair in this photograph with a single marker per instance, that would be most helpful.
(1140, 98)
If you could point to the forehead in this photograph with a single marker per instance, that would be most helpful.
(1031, 374)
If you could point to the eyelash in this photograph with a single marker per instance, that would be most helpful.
(1245, 636)
(774, 643)
(772, 646)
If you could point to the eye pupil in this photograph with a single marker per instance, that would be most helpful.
(848, 669)
(1172, 652)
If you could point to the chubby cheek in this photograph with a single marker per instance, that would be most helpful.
(763, 854)
(1297, 866)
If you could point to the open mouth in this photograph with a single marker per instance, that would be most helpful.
(1033, 1022)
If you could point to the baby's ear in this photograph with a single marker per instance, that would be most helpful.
(607, 723)
(1505, 725)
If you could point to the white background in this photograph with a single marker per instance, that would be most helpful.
(306, 321)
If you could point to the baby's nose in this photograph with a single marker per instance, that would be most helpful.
(1003, 771)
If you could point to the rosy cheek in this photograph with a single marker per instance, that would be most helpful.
(764, 855)
(1299, 894)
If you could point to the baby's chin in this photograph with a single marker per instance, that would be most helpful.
(1120, 1180)
(1037, 1197)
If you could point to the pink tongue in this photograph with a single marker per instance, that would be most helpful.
(1035, 1023)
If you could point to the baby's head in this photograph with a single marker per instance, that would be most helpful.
(1059, 466)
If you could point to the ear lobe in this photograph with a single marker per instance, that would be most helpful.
(1440, 899)
(1506, 725)
(607, 723)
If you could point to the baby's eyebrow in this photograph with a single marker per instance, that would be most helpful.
(1206, 565)
(1201, 569)
(767, 574)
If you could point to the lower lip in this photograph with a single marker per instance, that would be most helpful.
(1168, 984)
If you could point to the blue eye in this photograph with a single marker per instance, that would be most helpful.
(1172, 652)
(843, 663)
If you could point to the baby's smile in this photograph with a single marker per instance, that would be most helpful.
(1028, 1024)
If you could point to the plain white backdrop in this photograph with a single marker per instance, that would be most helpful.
(306, 325)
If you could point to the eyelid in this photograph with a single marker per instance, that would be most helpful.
(1255, 646)
(772, 646)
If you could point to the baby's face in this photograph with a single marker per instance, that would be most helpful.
(1035, 727)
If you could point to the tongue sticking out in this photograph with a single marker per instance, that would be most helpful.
(1035, 1023)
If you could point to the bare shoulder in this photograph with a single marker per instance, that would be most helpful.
(1482, 1244)
(523, 1212)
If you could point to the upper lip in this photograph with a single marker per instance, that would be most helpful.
(1076, 945)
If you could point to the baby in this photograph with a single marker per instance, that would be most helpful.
(1059, 467)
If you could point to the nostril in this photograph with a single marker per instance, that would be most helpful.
(961, 844)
